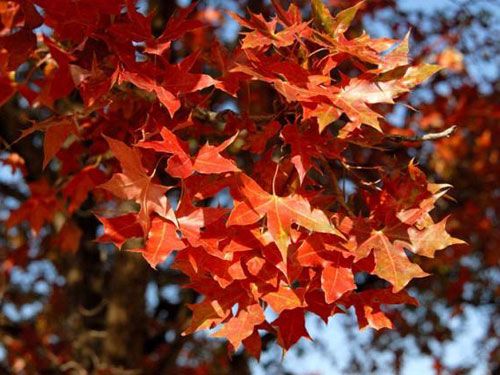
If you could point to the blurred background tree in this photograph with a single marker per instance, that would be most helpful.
(59, 299)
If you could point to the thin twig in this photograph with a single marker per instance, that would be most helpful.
(220, 118)
(422, 138)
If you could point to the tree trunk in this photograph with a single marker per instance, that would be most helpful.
(125, 318)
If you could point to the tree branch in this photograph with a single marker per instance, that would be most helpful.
(219, 118)
(422, 138)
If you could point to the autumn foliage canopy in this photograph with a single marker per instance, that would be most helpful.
(243, 168)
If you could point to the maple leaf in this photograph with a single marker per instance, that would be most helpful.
(168, 83)
(241, 326)
(201, 226)
(290, 79)
(281, 212)
(431, 239)
(336, 279)
(177, 26)
(225, 272)
(261, 269)
(391, 261)
(285, 298)
(59, 80)
(253, 344)
(317, 250)
(333, 25)
(195, 223)
(120, 229)
(307, 145)
(139, 28)
(210, 312)
(206, 314)
(405, 200)
(279, 247)
(354, 98)
(397, 57)
(312, 252)
(56, 132)
(367, 306)
(77, 189)
(302, 152)
(325, 114)
(291, 327)
(161, 242)
(178, 80)
(17, 47)
(264, 33)
(135, 184)
(38, 209)
(256, 141)
(93, 84)
(180, 163)
(208, 160)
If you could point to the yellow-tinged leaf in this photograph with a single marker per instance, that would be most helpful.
(343, 19)
(285, 298)
(418, 74)
(322, 16)
(391, 262)
(431, 239)
(333, 26)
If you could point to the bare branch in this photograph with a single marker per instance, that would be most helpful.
(422, 138)
(220, 118)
